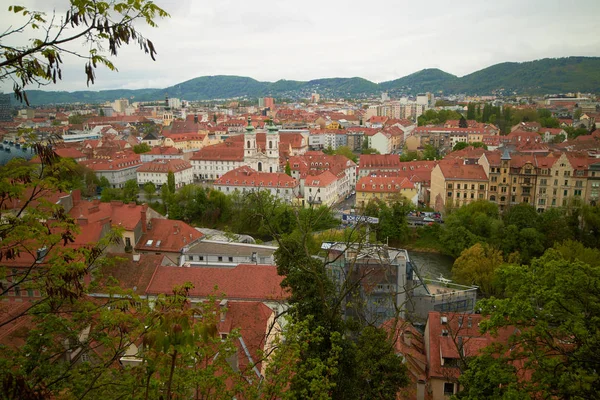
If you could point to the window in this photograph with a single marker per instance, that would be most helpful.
(472, 187)
(201, 258)
(481, 187)
(504, 189)
(220, 258)
(494, 179)
(449, 186)
(472, 195)
(515, 179)
(230, 259)
(492, 188)
(565, 193)
(566, 182)
(448, 389)
(543, 182)
(577, 193)
(449, 194)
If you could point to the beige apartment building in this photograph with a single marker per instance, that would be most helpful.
(455, 184)
(544, 181)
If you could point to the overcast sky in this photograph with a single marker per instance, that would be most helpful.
(309, 39)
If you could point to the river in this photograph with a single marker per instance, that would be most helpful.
(6, 156)
(432, 265)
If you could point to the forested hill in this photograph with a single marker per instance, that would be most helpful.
(551, 75)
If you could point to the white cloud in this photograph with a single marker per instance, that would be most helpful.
(379, 41)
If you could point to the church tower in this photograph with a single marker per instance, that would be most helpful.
(272, 146)
(250, 140)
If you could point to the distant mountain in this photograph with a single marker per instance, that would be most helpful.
(550, 75)
(422, 81)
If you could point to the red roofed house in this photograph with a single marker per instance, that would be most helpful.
(385, 188)
(245, 179)
(157, 172)
(454, 184)
(369, 164)
(131, 217)
(162, 153)
(549, 134)
(321, 189)
(451, 338)
(167, 237)
(314, 163)
(118, 170)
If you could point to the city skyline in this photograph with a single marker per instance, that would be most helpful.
(270, 41)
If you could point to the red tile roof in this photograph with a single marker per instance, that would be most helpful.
(454, 170)
(167, 235)
(119, 214)
(324, 179)
(164, 151)
(444, 337)
(246, 176)
(244, 282)
(124, 161)
(164, 166)
(383, 184)
(379, 161)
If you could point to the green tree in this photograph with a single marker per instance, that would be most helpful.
(99, 25)
(522, 215)
(103, 182)
(489, 377)
(171, 182)
(76, 119)
(550, 307)
(477, 266)
(141, 148)
(288, 168)
(430, 153)
(410, 156)
(460, 146)
(150, 191)
(346, 152)
(471, 111)
(130, 191)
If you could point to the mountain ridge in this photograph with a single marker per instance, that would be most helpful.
(549, 75)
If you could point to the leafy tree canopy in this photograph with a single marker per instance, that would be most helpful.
(99, 25)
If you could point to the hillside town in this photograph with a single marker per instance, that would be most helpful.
(435, 154)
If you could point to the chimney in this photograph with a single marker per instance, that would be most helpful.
(223, 309)
(407, 338)
(82, 221)
(76, 196)
(136, 257)
(195, 118)
(143, 218)
(93, 209)
(421, 389)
